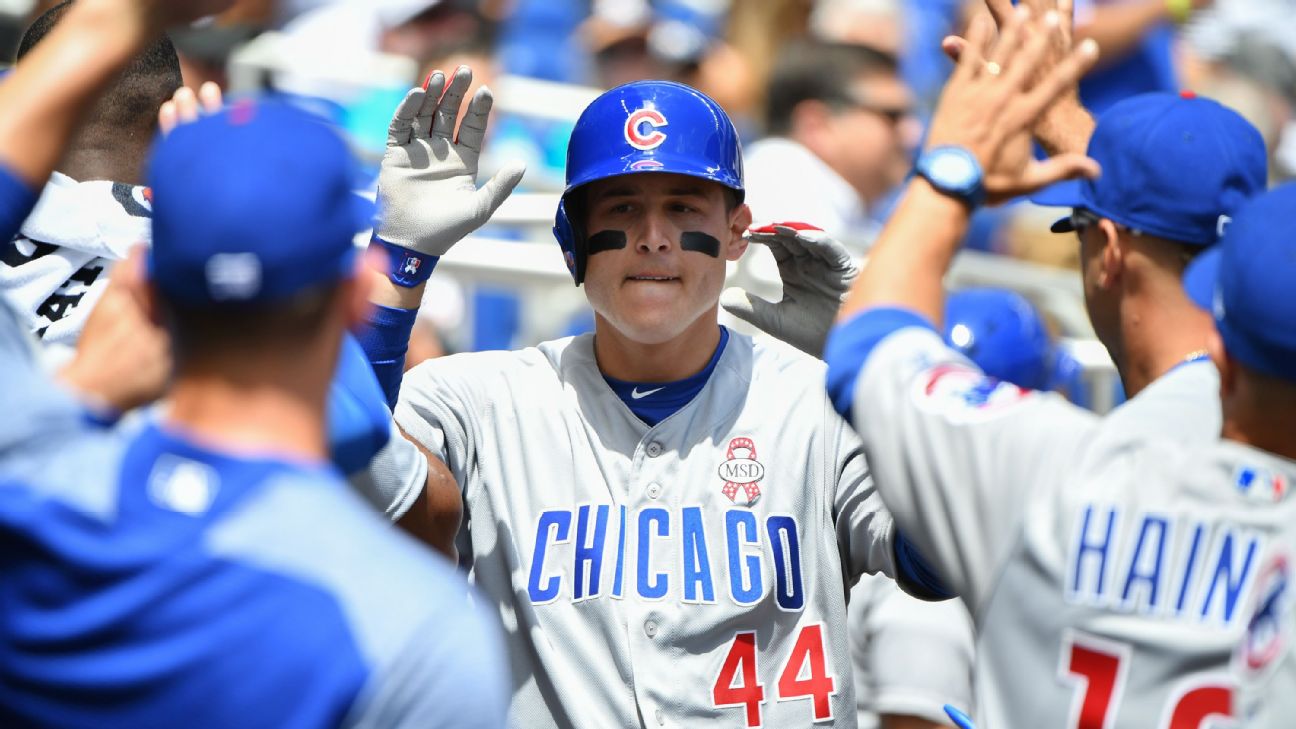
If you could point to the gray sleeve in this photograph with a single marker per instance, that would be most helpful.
(450, 675)
(910, 657)
(395, 477)
(434, 410)
(959, 457)
(865, 530)
(34, 406)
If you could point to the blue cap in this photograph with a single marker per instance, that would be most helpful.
(253, 203)
(1247, 283)
(1173, 166)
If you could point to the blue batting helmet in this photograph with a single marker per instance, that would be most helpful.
(1003, 334)
(645, 126)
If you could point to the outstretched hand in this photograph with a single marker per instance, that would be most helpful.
(427, 189)
(816, 270)
(996, 95)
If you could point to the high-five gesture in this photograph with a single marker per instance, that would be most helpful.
(997, 94)
(427, 189)
(1065, 125)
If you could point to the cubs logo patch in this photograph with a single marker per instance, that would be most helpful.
(1268, 633)
(741, 471)
(965, 393)
(1261, 484)
(641, 129)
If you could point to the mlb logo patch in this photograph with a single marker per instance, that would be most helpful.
(1261, 484)
(411, 265)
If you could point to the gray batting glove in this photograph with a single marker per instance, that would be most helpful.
(427, 187)
(817, 271)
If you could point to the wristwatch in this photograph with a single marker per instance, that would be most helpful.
(953, 171)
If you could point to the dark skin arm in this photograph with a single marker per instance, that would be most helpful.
(436, 515)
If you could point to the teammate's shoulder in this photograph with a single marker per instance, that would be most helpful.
(481, 366)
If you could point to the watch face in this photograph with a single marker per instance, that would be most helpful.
(953, 169)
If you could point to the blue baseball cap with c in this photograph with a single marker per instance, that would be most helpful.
(252, 204)
(1247, 281)
(1173, 166)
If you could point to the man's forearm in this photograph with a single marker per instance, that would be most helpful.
(48, 93)
(906, 267)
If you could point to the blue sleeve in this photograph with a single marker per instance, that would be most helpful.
(915, 574)
(850, 344)
(385, 338)
(16, 200)
(359, 422)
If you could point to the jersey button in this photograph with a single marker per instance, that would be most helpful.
(654, 449)
(650, 629)
(654, 490)
(661, 717)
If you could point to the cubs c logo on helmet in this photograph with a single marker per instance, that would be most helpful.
(634, 129)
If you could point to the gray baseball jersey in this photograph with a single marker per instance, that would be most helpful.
(910, 657)
(659, 576)
(1114, 574)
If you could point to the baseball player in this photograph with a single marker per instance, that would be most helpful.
(206, 569)
(1144, 557)
(666, 514)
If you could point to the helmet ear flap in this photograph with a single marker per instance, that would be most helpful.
(571, 238)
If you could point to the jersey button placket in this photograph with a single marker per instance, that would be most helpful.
(653, 449)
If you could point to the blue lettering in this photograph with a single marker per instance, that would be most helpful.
(654, 588)
(555, 525)
(589, 555)
(620, 563)
(1097, 550)
(1139, 570)
(1226, 572)
(738, 577)
(787, 562)
(1182, 602)
(697, 563)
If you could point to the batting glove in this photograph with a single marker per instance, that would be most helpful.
(817, 271)
(427, 186)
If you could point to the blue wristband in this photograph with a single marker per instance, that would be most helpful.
(407, 268)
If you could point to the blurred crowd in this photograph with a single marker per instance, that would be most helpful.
(830, 95)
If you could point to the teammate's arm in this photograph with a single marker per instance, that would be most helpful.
(47, 94)
(437, 513)
(428, 200)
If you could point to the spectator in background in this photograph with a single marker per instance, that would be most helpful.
(1137, 38)
(840, 127)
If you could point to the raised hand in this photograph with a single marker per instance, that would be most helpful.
(997, 94)
(1065, 125)
(427, 189)
(185, 106)
(817, 271)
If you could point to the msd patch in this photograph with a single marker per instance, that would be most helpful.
(641, 129)
(966, 394)
(741, 471)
